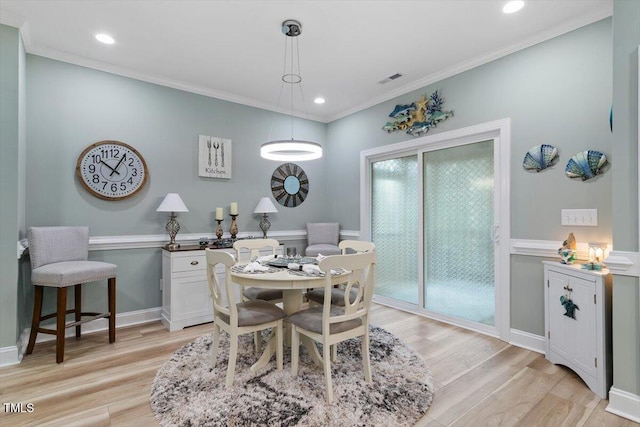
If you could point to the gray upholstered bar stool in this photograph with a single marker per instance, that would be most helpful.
(59, 259)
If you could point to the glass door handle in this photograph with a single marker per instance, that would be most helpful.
(495, 233)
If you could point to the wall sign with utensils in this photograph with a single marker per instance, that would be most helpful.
(214, 157)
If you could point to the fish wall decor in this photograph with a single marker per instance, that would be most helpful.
(418, 117)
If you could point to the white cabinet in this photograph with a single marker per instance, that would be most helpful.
(582, 343)
(186, 300)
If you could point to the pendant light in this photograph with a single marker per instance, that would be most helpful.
(293, 149)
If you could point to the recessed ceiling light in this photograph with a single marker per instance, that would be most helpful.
(319, 100)
(513, 6)
(105, 38)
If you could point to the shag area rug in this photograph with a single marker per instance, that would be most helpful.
(188, 392)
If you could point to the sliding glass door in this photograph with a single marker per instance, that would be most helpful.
(436, 209)
(458, 265)
(394, 220)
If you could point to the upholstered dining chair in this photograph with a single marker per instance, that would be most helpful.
(322, 238)
(329, 324)
(246, 250)
(316, 296)
(59, 259)
(238, 318)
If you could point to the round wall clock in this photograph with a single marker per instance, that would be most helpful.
(289, 185)
(112, 170)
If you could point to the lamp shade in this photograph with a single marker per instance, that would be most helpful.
(289, 151)
(265, 205)
(172, 203)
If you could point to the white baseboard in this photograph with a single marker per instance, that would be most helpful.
(527, 340)
(13, 355)
(9, 356)
(624, 404)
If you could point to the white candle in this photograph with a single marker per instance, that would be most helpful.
(234, 208)
(219, 213)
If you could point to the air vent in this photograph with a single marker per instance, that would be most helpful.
(388, 79)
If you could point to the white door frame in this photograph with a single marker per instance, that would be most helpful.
(500, 132)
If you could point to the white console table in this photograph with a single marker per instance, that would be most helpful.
(186, 300)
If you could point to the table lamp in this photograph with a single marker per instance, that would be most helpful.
(264, 207)
(172, 203)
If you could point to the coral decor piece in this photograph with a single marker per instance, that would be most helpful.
(418, 117)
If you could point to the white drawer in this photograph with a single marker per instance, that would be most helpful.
(189, 263)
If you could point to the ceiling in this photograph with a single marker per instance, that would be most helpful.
(234, 50)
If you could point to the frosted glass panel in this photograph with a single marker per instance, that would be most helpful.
(394, 221)
(458, 216)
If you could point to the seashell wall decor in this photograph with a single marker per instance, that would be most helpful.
(540, 157)
(586, 165)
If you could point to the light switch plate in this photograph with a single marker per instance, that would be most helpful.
(580, 217)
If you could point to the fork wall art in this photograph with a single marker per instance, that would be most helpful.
(214, 157)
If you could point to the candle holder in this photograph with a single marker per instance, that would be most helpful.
(219, 229)
(233, 230)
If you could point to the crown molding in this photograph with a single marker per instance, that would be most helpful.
(12, 19)
(150, 78)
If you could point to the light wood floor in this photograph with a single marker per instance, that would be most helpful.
(480, 381)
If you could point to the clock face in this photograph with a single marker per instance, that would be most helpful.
(112, 170)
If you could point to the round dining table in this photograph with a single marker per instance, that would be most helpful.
(293, 285)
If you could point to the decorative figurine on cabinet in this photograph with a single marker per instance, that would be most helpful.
(568, 250)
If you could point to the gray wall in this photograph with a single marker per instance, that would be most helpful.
(70, 107)
(11, 176)
(557, 92)
(626, 312)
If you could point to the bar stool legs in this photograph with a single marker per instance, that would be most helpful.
(35, 320)
(112, 308)
(61, 314)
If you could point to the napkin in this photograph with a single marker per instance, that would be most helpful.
(294, 266)
(320, 257)
(254, 266)
(266, 258)
(311, 269)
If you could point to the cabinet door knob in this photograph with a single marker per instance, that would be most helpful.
(194, 262)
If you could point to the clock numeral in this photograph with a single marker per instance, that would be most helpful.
(114, 187)
(134, 172)
(104, 184)
(123, 186)
(130, 162)
(112, 153)
(96, 178)
(96, 158)
(92, 168)
(130, 180)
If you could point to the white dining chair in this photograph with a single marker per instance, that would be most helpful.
(329, 324)
(246, 250)
(316, 296)
(238, 318)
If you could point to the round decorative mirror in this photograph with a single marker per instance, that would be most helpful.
(289, 185)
